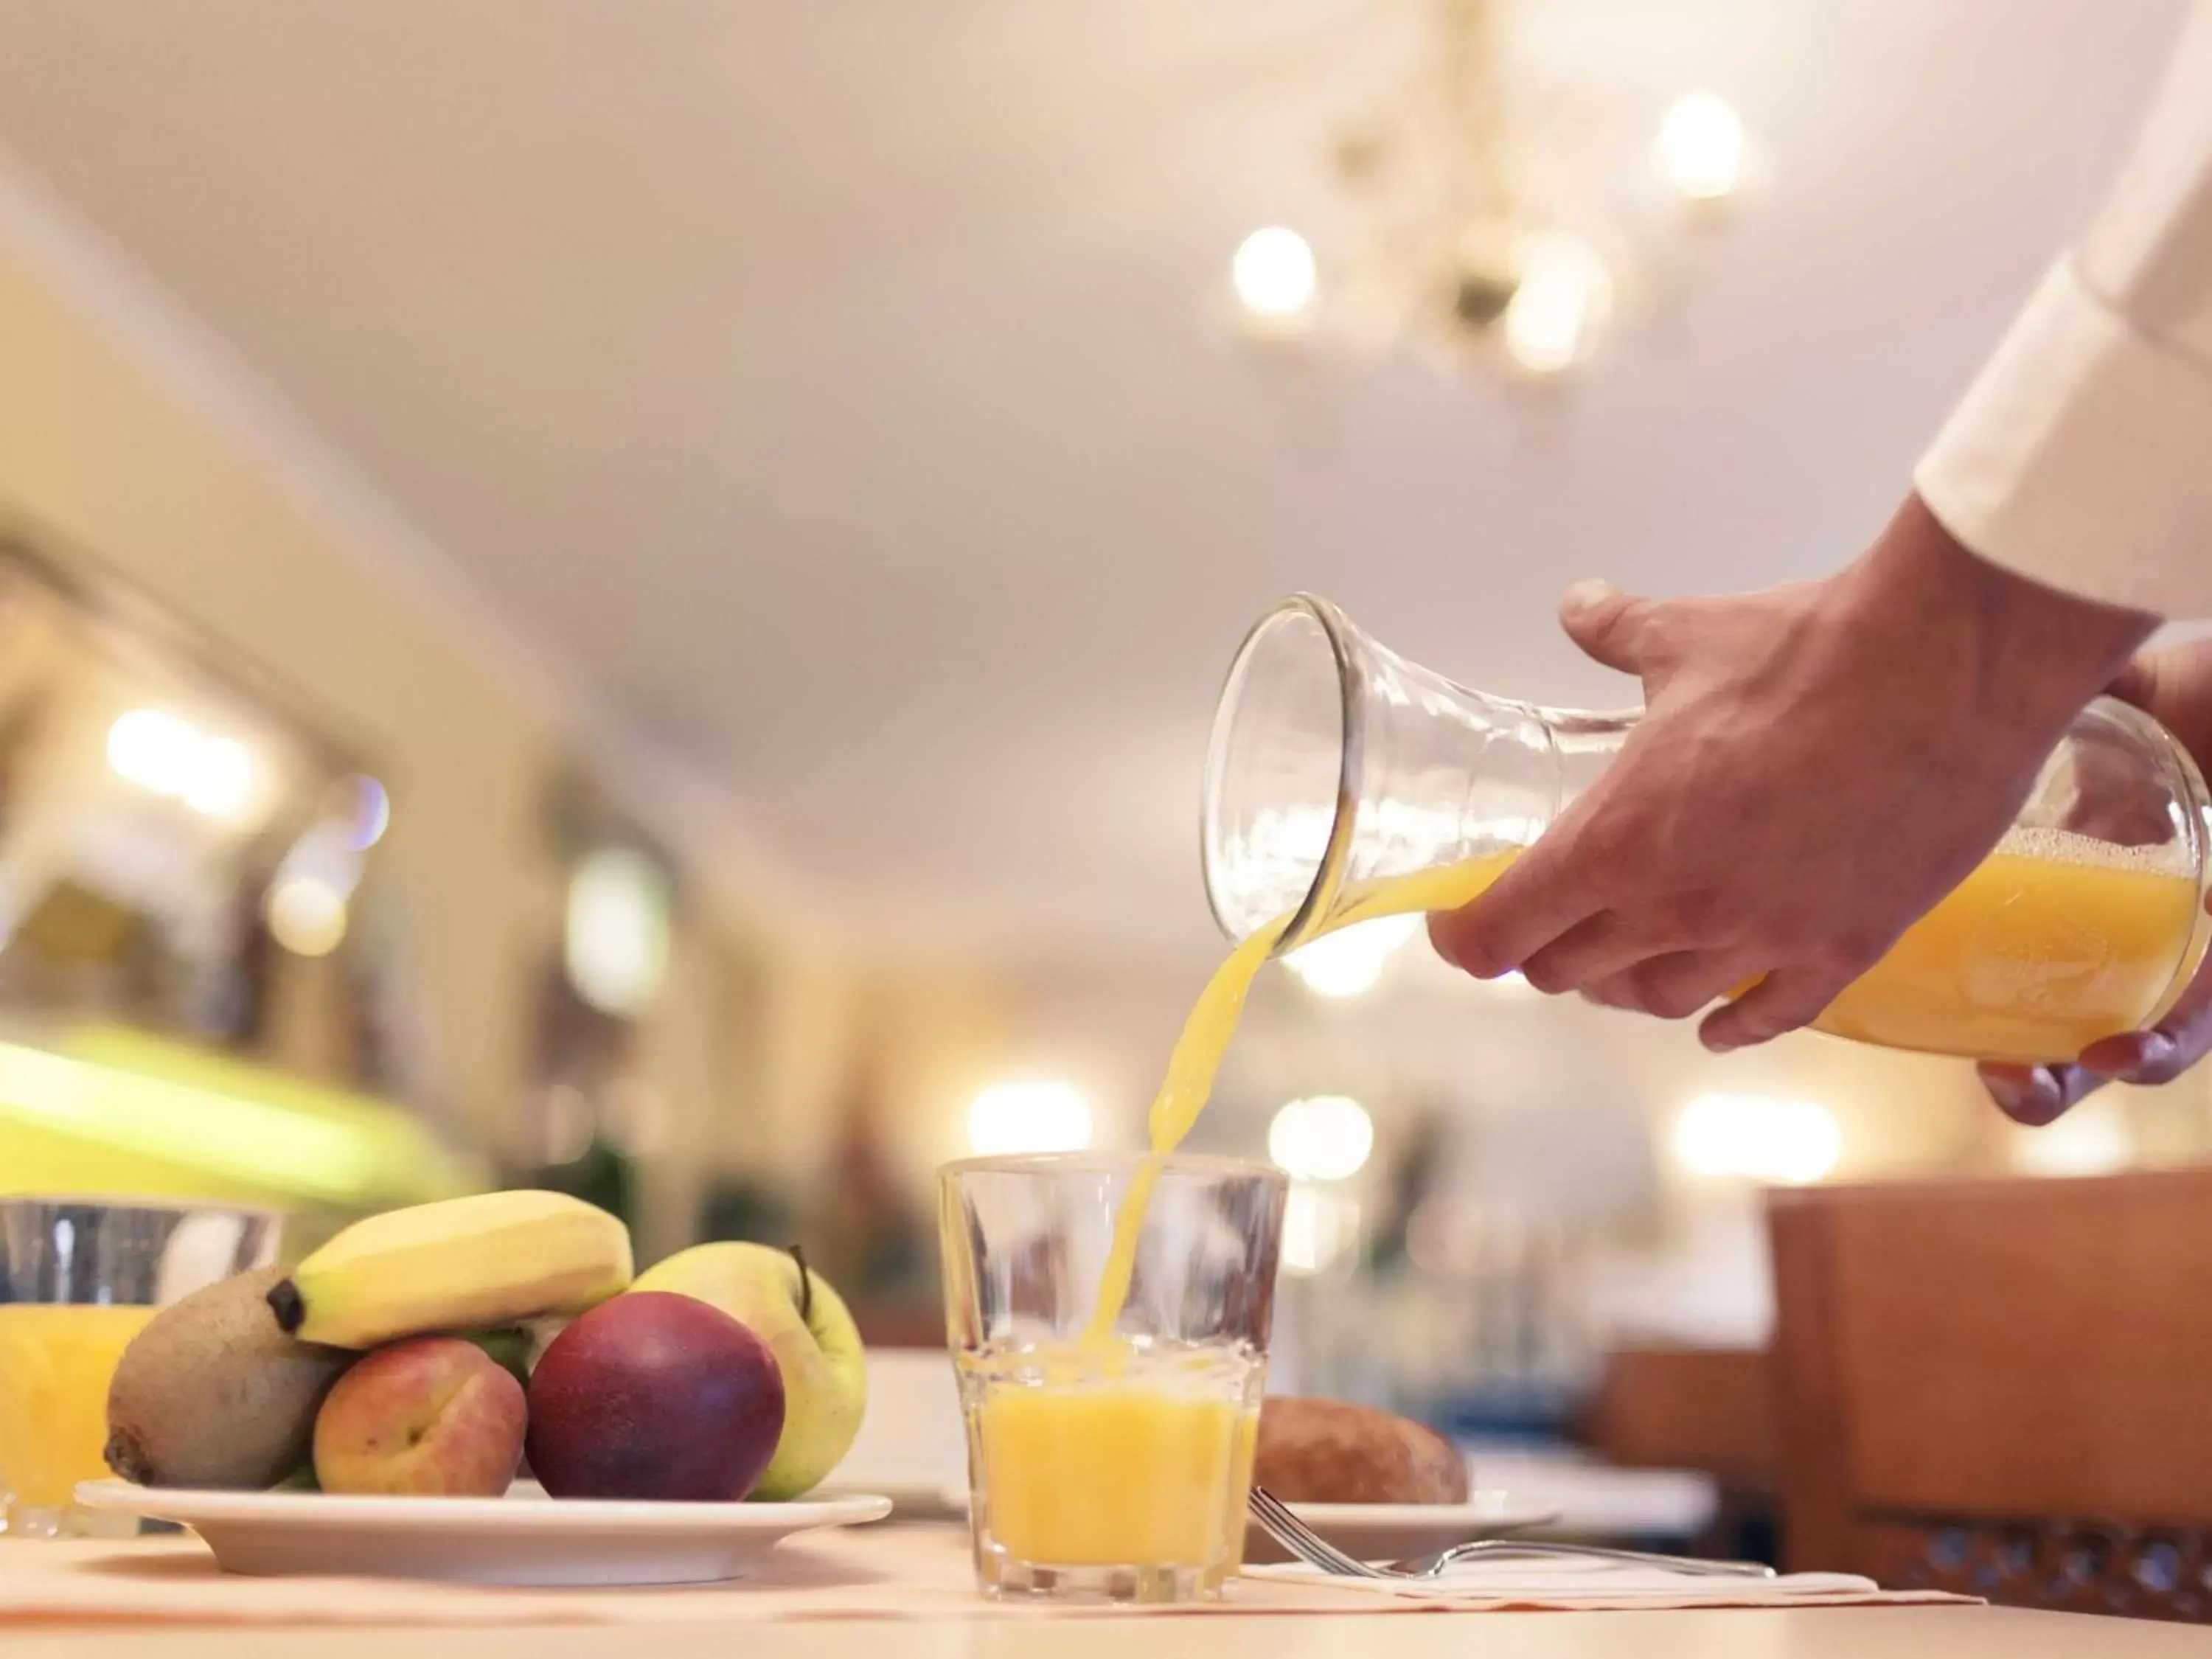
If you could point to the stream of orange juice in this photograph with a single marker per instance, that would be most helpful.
(1117, 1457)
(56, 1362)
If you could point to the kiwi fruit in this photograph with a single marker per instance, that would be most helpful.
(212, 1393)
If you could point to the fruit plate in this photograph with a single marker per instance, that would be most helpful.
(1391, 1532)
(524, 1538)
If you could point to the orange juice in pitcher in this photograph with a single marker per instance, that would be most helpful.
(1345, 782)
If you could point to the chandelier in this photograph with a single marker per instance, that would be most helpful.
(1449, 249)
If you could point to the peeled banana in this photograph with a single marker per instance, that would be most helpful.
(464, 1264)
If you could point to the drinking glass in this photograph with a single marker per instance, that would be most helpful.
(1343, 781)
(1109, 1458)
(79, 1277)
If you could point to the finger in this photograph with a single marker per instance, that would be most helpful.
(2034, 1095)
(1596, 948)
(2168, 1049)
(2037, 1095)
(1610, 626)
(2146, 1057)
(1783, 1001)
(2128, 1057)
(1540, 897)
(2138, 682)
(1674, 985)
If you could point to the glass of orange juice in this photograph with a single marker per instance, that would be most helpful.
(1108, 1320)
(79, 1277)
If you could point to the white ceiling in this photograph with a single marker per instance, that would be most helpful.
(838, 387)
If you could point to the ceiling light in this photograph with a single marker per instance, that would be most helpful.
(1787, 1142)
(306, 915)
(154, 750)
(1699, 147)
(372, 814)
(1350, 960)
(617, 936)
(1323, 1138)
(1274, 274)
(1562, 300)
(221, 778)
(167, 755)
(1010, 1118)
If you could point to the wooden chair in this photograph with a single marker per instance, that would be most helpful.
(1677, 1406)
(2003, 1387)
(1671, 1406)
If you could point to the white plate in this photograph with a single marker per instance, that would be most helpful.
(524, 1538)
(1391, 1532)
(915, 1498)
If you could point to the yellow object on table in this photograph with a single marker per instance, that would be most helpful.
(106, 1109)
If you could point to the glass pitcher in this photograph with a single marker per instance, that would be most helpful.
(1343, 781)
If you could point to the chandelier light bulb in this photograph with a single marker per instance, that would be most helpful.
(1564, 297)
(1699, 148)
(1273, 274)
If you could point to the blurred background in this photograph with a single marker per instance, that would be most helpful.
(628, 598)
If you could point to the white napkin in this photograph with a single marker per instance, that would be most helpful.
(1578, 1580)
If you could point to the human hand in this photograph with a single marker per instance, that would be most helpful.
(1817, 765)
(2174, 687)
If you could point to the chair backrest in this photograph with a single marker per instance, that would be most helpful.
(2002, 1387)
(1664, 1405)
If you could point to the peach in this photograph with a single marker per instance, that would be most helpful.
(433, 1416)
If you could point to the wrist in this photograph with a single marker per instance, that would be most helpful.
(2015, 655)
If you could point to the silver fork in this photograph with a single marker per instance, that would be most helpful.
(1310, 1547)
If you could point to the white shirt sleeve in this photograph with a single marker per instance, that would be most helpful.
(2082, 456)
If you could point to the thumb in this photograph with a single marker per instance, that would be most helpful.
(2136, 683)
(1609, 625)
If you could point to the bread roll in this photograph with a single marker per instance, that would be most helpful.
(1328, 1451)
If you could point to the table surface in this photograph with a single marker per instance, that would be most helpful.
(1833, 1633)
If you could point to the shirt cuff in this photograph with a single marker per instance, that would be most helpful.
(2081, 457)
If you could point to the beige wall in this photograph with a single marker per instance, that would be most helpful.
(95, 450)
(748, 1050)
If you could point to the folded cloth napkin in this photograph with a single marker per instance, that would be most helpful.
(1584, 1583)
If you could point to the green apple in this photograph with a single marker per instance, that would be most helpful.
(789, 1306)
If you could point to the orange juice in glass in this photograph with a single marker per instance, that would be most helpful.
(79, 1277)
(55, 1366)
(1109, 1442)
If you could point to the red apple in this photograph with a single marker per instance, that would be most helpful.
(655, 1394)
(435, 1416)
